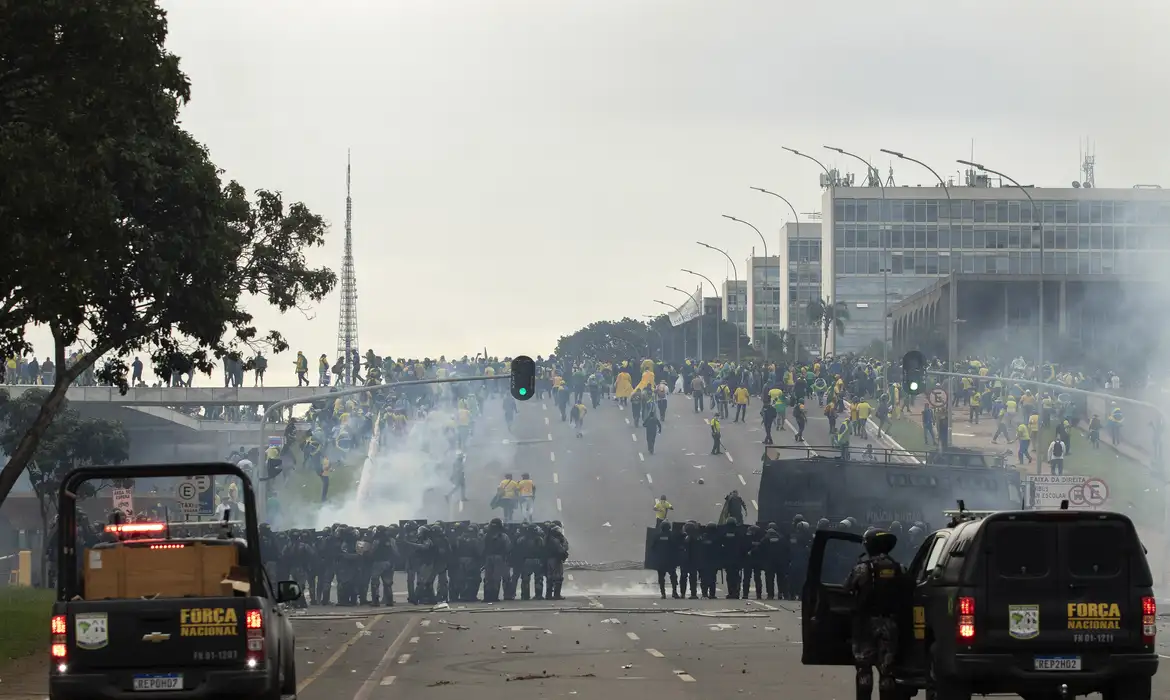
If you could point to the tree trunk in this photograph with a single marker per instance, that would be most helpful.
(45, 582)
(24, 452)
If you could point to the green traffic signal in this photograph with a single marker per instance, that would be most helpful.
(913, 371)
(913, 386)
(523, 391)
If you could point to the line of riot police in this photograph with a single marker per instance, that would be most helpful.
(773, 557)
(443, 561)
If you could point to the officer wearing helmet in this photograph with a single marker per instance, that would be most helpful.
(876, 583)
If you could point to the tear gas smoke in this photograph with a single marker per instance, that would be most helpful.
(408, 476)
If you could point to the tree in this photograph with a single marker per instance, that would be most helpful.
(121, 234)
(69, 442)
(830, 316)
(605, 340)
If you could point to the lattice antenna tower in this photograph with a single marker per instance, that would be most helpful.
(347, 327)
(1089, 165)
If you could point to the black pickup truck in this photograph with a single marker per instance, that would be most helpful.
(168, 610)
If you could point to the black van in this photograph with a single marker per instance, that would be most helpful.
(1036, 603)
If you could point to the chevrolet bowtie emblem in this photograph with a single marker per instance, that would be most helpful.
(155, 637)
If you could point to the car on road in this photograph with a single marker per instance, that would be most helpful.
(160, 609)
(1039, 603)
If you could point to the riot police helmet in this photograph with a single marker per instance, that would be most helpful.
(895, 527)
(878, 541)
(496, 522)
(823, 524)
(664, 526)
(802, 526)
(798, 518)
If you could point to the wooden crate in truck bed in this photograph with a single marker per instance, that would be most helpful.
(166, 569)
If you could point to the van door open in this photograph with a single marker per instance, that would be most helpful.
(826, 608)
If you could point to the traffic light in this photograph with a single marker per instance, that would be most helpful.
(913, 372)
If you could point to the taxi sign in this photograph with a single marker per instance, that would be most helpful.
(937, 397)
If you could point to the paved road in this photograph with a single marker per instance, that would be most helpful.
(615, 647)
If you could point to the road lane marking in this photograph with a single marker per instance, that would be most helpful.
(634, 437)
(552, 456)
(755, 506)
(569, 576)
(684, 676)
(594, 601)
(378, 675)
(729, 459)
(556, 479)
(741, 479)
(550, 437)
(337, 655)
(649, 479)
(641, 457)
(388, 680)
(414, 640)
(546, 420)
(404, 658)
(425, 623)
(764, 605)
(632, 636)
(460, 506)
(545, 407)
(627, 421)
(558, 505)
(656, 654)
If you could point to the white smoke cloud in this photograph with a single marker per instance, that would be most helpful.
(409, 476)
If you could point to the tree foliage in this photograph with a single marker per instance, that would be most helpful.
(830, 316)
(607, 340)
(121, 235)
(70, 441)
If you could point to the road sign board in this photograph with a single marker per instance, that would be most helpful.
(1091, 494)
(937, 397)
(206, 486)
(203, 483)
(1047, 490)
(188, 496)
(124, 501)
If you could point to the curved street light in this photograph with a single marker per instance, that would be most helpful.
(677, 310)
(796, 341)
(749, 282)
(735, 274)
(1037, 219)
(718, 318)
(699, 320)
(885, 266)
(795, 152)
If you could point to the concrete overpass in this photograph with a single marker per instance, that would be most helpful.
(160, 433)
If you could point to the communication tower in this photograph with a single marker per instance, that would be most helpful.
(347, 327)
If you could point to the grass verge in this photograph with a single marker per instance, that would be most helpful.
(24, 621)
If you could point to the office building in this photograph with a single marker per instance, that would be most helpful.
(712, 306)
(735, 303)
(763, 303)
(881, 247)
(801, 265)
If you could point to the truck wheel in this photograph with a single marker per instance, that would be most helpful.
(288, 689)
(1130, 689)
(944, 689)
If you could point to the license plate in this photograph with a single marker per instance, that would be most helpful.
(159, 681)
(1058, 663)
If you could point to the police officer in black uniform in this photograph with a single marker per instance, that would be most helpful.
(877, 584)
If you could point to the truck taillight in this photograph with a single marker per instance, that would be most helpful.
(254, 626)
(1149, 619)
(966, 622)
(58, 641)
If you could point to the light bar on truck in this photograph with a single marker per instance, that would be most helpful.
(131, 528)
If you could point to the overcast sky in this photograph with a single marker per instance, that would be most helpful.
(522, 168)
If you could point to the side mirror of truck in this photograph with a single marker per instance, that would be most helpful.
(288, 591)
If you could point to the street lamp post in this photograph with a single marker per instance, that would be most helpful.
(1037, 219)
(749, 282)
(793, 151)
(718, 346)
(885, 265)
(682, 328)
(699, 320)
(953, 300)
(655, 331)
(735, 275)
(796, 217)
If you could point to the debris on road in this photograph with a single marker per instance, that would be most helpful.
(439, 683)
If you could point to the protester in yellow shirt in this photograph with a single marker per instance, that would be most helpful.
(741, 403)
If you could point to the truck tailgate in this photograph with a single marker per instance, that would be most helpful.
(145, 634)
